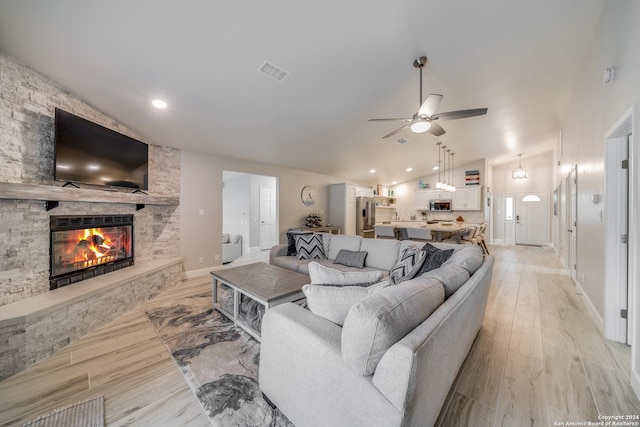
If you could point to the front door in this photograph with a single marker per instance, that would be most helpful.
(532, 219)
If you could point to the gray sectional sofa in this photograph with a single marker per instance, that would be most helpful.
(397, 355)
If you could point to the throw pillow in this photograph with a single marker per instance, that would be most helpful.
(435, 258)
(319, 274)
(291, 241)
(226, 238)
(378, 322)
(409, 263)
(309, 246)
(334, 302)
(351, 258)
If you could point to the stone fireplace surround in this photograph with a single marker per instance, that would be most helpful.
(34, 322)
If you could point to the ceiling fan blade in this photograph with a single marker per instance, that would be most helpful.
(436, 129)
(460, 114)
(395, 131)
(430, 105)
(390, 120)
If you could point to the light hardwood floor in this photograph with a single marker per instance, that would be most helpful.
(537, 359)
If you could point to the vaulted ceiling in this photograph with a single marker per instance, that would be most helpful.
(347, 61)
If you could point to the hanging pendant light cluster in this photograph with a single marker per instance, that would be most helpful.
(447, 184)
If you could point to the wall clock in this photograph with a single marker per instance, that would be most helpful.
(308, 195)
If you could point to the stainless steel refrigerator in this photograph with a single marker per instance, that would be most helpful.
(366, 216)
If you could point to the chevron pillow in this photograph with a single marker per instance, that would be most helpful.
(309, 246)
(409, 263)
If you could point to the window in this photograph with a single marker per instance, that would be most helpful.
(531, 198)
(508, 210)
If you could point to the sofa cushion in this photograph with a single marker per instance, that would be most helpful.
(382, 253)
(309, 246)
(320, 274)
(333, 302)
(351, 258)
(289, 262)
(341, 241)
(408, 264)
(379, 321)
(303, 267)
(435, 258)
(451, 276)
(470, 258)
(291, 241)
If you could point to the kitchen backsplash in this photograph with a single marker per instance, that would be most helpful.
(409, 214)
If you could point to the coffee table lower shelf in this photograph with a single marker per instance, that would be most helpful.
(244, 308)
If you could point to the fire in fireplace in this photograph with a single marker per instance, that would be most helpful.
(87, 246)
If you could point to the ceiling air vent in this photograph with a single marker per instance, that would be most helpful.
(273, 71)
(402, 141)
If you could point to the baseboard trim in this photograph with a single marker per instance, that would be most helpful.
(635, 383)
(186, 275)
(595, 316)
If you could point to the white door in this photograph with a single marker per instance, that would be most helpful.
(532, 219)
(268, 220)
(572, 215)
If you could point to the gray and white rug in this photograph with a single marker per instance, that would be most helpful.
(218, 360)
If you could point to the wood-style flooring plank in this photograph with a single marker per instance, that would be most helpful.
(567, 384)
(466, 412)
(484, 369)
(612, 392)
(522, 395)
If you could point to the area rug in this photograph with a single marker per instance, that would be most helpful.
(219, 361)
(87, 413)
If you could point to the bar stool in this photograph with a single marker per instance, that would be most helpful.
(419, 234)
(384, 231)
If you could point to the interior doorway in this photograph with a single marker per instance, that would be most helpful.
(251, 209)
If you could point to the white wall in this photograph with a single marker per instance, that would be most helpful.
(201, 188)
(595, 107)
(540, 180)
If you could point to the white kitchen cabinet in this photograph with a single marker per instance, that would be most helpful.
(423, 197)
(467, 199)
(342, 205)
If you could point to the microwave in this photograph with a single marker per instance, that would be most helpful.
(440, 205)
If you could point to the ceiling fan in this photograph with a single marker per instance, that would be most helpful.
(424, 119)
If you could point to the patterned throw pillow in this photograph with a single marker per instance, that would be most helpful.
(309, 246)
(409, 263)
(291, 241)
(435, 258)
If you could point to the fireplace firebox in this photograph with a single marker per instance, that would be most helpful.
(87, 246)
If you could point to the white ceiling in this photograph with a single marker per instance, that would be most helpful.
(348, 61)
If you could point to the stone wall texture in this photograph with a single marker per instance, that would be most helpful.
(27, 105)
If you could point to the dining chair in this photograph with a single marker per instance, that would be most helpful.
(481, 238)
(384, 231)
(419, 234)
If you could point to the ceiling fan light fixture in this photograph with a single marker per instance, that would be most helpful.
(420, 126)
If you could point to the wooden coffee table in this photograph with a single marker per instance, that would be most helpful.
(244, 293)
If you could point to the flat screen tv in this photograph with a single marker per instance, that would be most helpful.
(88, 153)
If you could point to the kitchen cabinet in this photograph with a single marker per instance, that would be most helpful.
(422, 197)
(342, 205)
(467, 199)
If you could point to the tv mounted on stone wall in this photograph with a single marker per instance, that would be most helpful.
(88, 153)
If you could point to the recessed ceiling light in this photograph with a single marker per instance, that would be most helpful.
(394, 182)
(409, 169)
(435, 168)
(372, 171)
(93, 167)
(159, 103)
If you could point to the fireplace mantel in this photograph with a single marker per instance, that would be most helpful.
(21, 191)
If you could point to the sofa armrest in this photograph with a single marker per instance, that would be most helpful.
(276, 251)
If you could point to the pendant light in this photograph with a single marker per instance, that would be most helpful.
(439, 183)
(520, 173)
(453, 184)
(444, 173)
